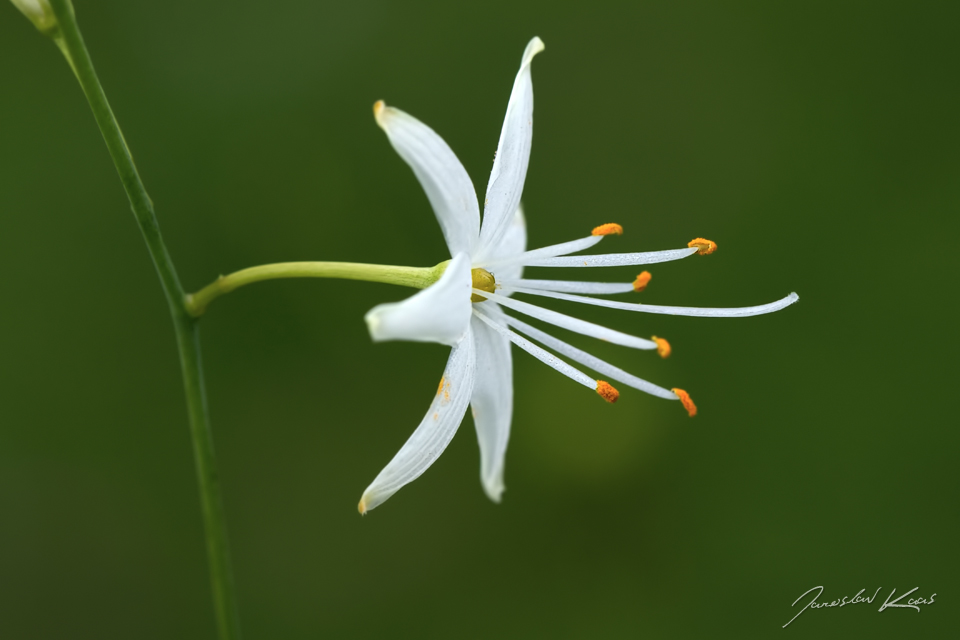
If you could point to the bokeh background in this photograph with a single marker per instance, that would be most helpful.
(817, 143)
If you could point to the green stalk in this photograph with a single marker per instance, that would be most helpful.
(71, 43)
(417, 277)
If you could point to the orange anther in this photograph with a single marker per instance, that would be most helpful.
(378, 107)
(663, 347)
(686, 401)
(607, 392)
(704, 247)
(608, 229)
(642, 281)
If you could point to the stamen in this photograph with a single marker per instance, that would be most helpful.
(572, 286)
(587, 360)
(562, 249)
(642, 281)
(609, 259)
(378, 107)
(701, 312)
(539, 353)
(663, 347)
(573, 324)
(686, 401)
(483, 280)
(607, 392)
(704, 247)
(607, 229)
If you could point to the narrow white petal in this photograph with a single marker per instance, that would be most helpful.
(587, 360)
(530, 257)
(439, 313)
(443, 178)
(492, 400)
(435, 431)
(543, 356)
(703, 312)
(572, 324)
(514, 243)
(513, 156)
(613, 259)
(570, 286)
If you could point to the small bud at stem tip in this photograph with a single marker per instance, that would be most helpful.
(40, 14)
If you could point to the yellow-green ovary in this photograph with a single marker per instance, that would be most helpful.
(483, 280)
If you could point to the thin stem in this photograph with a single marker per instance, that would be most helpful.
(79, 59)
(417, 277)
(211, 502)
(71, 43)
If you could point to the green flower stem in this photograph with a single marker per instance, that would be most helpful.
(68, 38)
(417, 277)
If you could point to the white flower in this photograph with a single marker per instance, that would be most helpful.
(463, 308)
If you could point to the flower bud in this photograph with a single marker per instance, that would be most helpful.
(39, 13)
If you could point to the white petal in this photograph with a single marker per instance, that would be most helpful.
(613, 259)
(435, 431)
(440, 173)
(573, 324)
(492, 400)
(514, 243)
(570, 286)
(703, 312)
(543, 356)
(534, 255)
(439, 313)
(587, 360)
(513, 156)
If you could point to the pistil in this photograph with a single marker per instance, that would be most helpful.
(484, 281)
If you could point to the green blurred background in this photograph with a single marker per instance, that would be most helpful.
(817, 143)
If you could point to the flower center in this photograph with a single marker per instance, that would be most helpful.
(483, 280)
